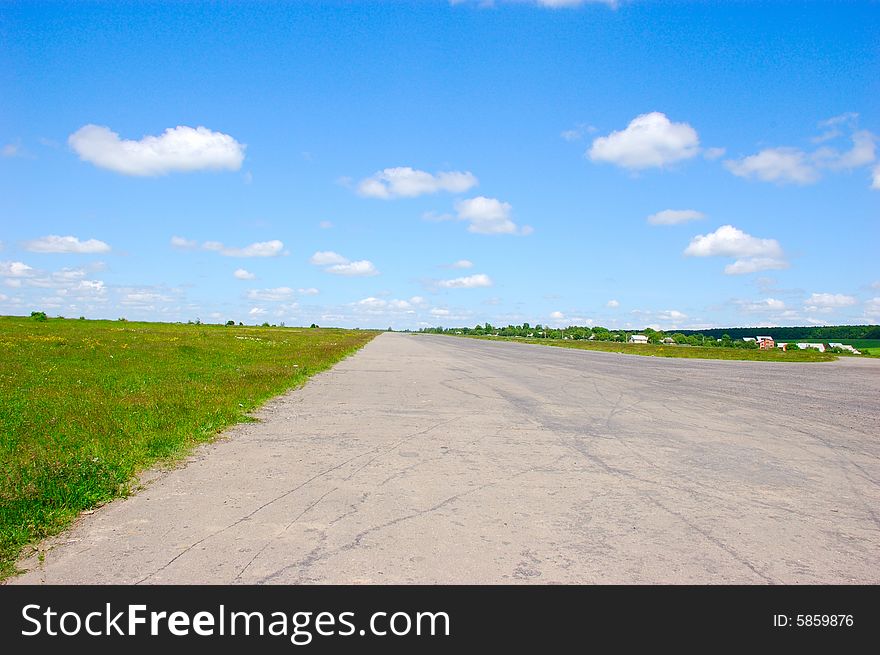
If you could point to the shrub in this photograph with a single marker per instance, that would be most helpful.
(39, 316)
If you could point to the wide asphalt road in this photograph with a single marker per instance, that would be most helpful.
(431, 459)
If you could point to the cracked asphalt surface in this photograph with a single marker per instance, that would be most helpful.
(431, 459)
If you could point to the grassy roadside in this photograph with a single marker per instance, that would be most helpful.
(86, 405)
(687, 352)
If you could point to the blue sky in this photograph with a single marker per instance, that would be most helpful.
(370, 164)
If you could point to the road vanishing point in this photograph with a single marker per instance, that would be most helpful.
(436, 459)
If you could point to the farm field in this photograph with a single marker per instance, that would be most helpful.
(89, 404)
(687, 352)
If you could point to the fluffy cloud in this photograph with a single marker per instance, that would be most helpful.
(795, 166)
(310, 291)
(183, 244)
(872, 308)
(242, 274)
(875, 178)
(69, 244)
(768, 305)
(373, 303)
(406, 182)
(326, 258)
(179, 148)
(613, 304)
(336, 264)
(671, 315)
(15, 269)
(260, 249)
(828, 302)
(489, 216)
(755, 265)
(861, 153)
(782, 165)
(271, 295)
(361, 268)
(675, 216)
(752, 254)
(469, 282)
(557, 315)
(462, 263)
(257, 311)
(438, 311)
(649, 141)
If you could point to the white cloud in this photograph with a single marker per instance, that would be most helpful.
(438, 311)
(326, 258)
(260, 249)
(675, 216)
(338, 265)
(671, 315)
(714, 153)
(861, 153)
(872, 308)
(875, 178)
(69, 244)
(406, 182)
(728, 241)
(782, 165)
(752, 254)
(613, 304)
(372, 302)
(469, 282)
(179, 148)
(557, 315)
(183, 244)
(257, 311)
(15, 269)
(489, 216)
(362, 268)
(755, 265)
(461, 263)
(417, 300)
(12, 150)
(242, 274)
(827, 302)
(768, 305)
(271, 295)
(649, 141)
(310, 291)
(578, 132)
(787, 165)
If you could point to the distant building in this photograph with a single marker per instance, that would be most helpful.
(668, 340)
(638, 338)
(845, 346)
(815, 346)
(765, 343)
(748, 338)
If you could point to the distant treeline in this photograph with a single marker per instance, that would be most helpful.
(807, 333)
(729, 337)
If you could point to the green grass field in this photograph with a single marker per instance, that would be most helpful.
(86, 405)
(688, 352)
